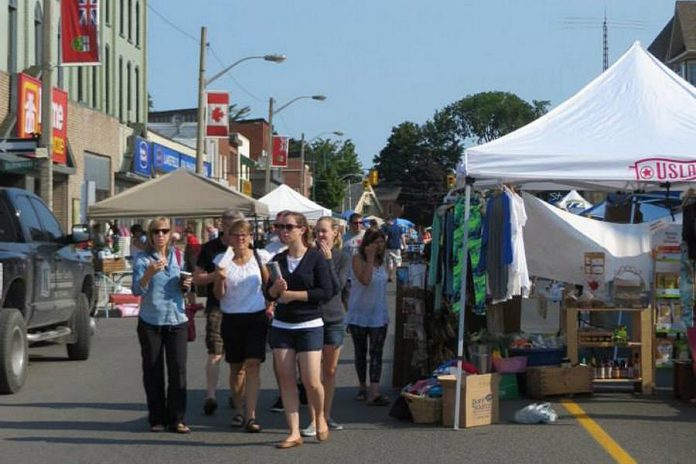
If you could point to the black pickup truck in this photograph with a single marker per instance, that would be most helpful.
(46, 286)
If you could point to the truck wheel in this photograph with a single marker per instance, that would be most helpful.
(79, 350)
(14, 351)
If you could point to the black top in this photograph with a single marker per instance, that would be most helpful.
(312, 275)
(209, 251)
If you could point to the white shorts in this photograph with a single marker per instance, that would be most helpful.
(393, 258)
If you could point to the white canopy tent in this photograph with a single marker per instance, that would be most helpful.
(285, 198)
(633, 127)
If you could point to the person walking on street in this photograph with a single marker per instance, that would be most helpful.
(297, 329)
(162, 328)
(396, 242)
(204, 274)
(368, 316)
(328, 241)
(239, 288)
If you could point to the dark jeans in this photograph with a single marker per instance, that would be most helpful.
(375, 338)
(157, 345)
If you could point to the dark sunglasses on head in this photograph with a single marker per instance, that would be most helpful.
(286, 226)
(160, 231)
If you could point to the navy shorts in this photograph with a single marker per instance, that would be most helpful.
(244, 336)
(334, 333)
(300, 340)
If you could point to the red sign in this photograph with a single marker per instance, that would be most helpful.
(59, 125)
(29, 107)
(79, 32)
(664, 170)
(29, 115)
(280, 152)
(217, 109)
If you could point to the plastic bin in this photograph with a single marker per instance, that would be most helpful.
(540, 356)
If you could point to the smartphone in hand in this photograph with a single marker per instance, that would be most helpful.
(274, 270)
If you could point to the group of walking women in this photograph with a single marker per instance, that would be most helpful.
(303, 300)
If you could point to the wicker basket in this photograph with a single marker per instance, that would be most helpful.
(424, 410)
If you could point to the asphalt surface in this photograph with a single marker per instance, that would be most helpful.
(94, 412)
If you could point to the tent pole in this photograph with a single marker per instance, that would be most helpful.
(462, 310)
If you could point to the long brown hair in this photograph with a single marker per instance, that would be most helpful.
(371, 235)
(301, 220)
(338, 240)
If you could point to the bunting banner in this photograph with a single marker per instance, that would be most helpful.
(79, 32)
(217, 109)
(280, 152)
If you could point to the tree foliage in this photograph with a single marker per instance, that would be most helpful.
(419, 157)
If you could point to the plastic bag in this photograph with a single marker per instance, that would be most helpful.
(536, 413)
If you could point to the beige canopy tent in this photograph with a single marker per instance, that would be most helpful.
(181, 194)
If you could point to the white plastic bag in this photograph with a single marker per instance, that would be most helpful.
(536, 413)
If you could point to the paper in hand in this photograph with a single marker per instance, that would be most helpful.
(226, 259)
(274, 269)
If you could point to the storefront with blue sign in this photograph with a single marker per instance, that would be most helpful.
(149, 157)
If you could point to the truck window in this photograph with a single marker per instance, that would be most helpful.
(48, 221)
(7, 229)
(27, 216)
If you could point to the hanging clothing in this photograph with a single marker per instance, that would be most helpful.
(518, 274)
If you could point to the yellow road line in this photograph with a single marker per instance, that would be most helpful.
(593, 428)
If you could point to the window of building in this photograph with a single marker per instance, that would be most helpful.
(107, 11)
(107, 80)
(12, 37)
(121, 11)
(98, 170)
(80, 85)
(691, 72)
(128, 92)
(136, 118)
(130, 20)
(137, 24)
(120, 88)
(95, 94)
(38, 34)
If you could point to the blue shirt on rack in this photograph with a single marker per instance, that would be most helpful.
(162, 301)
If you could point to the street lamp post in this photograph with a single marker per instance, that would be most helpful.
(271, 112)
(203, 83)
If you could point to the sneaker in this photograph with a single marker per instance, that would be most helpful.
(209, 406)
(303, 393)
(310, 431)
(278, 405)
(333, 425)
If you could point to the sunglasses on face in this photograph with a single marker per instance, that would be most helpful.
(160, 231)
(355, 222)
(287, 227)
(238, 235)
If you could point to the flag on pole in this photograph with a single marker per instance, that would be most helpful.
(217, 110)
(79, 32)
(280, 152)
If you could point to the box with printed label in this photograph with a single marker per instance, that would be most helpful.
(479, 400)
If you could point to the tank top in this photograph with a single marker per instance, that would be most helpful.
(367, 304)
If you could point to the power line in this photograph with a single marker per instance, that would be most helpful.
(217, 58)
(170, 23)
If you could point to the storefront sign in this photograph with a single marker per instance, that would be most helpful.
(59, 110)
(166, 159)
(664, 170)
(79, 32)
(280, 152)
(246, 187)
(142, 159)
(217, 108)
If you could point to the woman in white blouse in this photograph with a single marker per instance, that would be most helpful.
(239, 288)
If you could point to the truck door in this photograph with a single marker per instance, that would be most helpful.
(41, 249)
(65, 278)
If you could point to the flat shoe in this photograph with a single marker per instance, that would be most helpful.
(286, 444)
(323, 436)
(310, 431)
(180, 428)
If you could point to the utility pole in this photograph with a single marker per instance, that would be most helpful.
(269, 153)
(46, 182)
(200, 138)
(302, 165)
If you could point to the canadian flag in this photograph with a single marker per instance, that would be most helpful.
(217, 108)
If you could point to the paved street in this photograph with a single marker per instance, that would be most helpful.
(93, 411)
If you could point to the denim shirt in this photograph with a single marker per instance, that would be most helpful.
(162, 301)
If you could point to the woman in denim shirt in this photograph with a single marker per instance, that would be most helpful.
(162, 327)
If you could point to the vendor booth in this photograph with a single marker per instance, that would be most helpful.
(284, 198)
(631, 129)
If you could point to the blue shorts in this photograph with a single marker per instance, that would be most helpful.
(300, 340)
(334, 333)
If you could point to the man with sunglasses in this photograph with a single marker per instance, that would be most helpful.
(204, 274)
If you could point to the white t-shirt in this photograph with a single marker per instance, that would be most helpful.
(243, 294)
(275, 246)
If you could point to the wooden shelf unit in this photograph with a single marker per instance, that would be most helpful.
(642, 325)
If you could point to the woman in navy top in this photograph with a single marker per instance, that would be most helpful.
(297, 330)
(162, 327)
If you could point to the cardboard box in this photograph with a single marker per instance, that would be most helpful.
(545, 381)
(479, 400)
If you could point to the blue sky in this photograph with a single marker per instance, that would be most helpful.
(383, 62)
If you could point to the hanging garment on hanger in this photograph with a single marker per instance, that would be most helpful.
(478, 277)
(518, 274)
(498, 245)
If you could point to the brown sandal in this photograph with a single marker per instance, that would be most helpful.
(287, 444)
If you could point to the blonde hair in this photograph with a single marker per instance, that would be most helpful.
(152, 225)
(338, 240)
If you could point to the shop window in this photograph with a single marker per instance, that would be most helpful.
(80, 85)
(128, 92)
(38, 34)
(95, 93)
(137, 95)
(121, 22)
(98, 170)
(137, 24)
(12, 37)
(120, 88)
